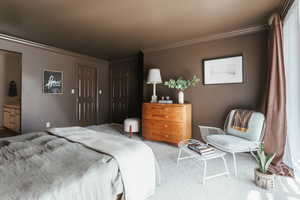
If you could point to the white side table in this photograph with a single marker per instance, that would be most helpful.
(183, 147)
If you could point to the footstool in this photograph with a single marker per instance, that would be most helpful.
(131, 125)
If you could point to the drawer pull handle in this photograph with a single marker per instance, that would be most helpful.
(166, 126)
(159, 108)
(158, 115)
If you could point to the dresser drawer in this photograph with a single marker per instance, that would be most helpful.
(166, 113)
(171, 128)
(6, 109)
(161, 135)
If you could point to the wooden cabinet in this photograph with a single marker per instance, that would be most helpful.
(167, 122)
(12, 117)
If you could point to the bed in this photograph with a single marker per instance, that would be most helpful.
(76, 163)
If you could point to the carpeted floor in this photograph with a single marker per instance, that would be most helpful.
(183, 182)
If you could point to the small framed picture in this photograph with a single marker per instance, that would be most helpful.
(52, 82)
(223, 70)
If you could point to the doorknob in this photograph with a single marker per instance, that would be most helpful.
(100, 92)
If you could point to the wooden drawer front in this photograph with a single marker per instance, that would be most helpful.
(17, 111)
(170, 128)
(11, 117)
(167, 113)
(161, 135)
(6, 109)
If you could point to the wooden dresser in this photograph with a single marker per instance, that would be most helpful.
(167, 122)
(12, 117)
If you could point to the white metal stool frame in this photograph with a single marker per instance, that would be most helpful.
(182, 146)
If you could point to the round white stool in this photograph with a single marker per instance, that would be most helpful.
(132, 125)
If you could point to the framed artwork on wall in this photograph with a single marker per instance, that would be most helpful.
(223, 70)
(52, 82)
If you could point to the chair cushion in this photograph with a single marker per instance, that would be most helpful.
(231, 143)
(255, 127)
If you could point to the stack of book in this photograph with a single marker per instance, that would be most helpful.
(202, 149)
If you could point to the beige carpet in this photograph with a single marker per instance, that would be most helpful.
(183, 182)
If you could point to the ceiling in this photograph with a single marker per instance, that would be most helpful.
(113, 29)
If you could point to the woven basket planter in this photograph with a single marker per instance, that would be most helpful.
(265, 181)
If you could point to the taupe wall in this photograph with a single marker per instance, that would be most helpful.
(38, 108)
(212, 102)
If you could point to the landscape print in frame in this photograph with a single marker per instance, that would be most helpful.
(223, 70)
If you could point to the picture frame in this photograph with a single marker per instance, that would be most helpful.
(223, 70)
(52, 82)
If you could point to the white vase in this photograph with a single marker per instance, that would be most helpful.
(180, 97)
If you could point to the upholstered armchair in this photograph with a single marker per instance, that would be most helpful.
(235, 141)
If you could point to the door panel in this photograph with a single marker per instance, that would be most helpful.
(119, 98)
(126, 78)
(86, 101)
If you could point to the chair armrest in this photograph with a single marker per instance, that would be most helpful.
(208, 130)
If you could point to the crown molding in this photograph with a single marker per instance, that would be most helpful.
(49, 48)
(244, 31)
(126, 59)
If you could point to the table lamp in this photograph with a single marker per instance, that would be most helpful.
(154, 78)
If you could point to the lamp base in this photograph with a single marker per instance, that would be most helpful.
(154, 99)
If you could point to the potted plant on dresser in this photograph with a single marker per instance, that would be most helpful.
(263, 178)
(180, 84)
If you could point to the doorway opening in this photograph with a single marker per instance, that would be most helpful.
(10, 93)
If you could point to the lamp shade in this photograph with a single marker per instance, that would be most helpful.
(154, 76)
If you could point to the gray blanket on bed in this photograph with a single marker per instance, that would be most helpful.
(39, 166)
(135, 159)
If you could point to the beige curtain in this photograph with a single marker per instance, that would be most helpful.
(275, 102)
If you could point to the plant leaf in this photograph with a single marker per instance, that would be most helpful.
(269, 161)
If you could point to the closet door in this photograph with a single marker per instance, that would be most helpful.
(119, 94)
(126, 88)
(86, 101)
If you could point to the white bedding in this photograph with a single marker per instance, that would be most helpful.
(136, 160)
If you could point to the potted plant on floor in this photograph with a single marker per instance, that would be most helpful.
(181, 85)
(263, 178)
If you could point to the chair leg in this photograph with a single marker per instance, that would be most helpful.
(179, 155)
(204, 172)
(234, 164)
(225, 165)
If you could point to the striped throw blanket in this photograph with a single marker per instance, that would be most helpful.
(241, 119)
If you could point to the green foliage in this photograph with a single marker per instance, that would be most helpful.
(181, 84)
(263, 160)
